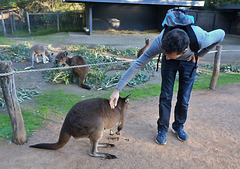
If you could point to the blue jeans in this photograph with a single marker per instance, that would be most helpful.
(169, 69)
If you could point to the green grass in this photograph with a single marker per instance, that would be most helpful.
(58, 102)
(50, 38)
(22, 33)
(4, 41)
(32, 120)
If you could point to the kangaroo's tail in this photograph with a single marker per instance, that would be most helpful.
(85, 86)
(63, 139)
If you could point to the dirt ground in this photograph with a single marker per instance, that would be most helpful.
(212, 125)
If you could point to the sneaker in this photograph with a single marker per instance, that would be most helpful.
(181, 135)
(161, 138)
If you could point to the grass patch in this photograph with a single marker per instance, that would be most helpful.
(22, 33)
(57, 101)
(225, 79)
(144, 91)
(50, 38)
(4, 40)
(32, 119)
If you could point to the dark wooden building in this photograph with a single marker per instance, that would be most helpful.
(232, 12)
(138, 15)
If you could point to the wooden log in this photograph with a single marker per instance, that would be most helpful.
(216, 68)
(13, 106)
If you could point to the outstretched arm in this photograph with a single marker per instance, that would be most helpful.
(153, 50)
(210, 40)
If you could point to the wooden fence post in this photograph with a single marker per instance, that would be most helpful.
(4, 28)
(28, 23)
(11, 20)
(58, 22)
(13, 106)
(216, 67)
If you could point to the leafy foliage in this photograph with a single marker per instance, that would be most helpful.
(213, 4)
(58, 76)
(42, 5)
(227, 68)
(16, 53)
(22, 94)
(230, 68)
(98, 77)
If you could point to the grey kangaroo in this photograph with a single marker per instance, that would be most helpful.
(89, 119)
(37, 50)
(141, 51)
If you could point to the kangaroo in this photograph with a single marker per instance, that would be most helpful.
(89, 119)
(80, 72)
(37, 50)
(141, 51)
(61, 58)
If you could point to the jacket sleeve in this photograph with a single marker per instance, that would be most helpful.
(208, 40)
(153, 50)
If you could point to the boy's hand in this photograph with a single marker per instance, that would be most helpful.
(193, 58)
(114, 98)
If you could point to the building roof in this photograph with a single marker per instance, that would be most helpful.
(8, 8)
(145, 2)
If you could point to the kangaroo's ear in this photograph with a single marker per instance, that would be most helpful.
(65, 53)
(127, 98)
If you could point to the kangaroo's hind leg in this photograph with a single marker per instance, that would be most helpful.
(82, 78)
(94, 139)
(45, 58)
(36, 58)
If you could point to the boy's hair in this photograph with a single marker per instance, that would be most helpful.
(175, 40)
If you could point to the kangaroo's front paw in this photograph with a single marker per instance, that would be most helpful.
(118, 132)
(46, 61)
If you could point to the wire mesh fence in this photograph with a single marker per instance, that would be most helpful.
(20, 23)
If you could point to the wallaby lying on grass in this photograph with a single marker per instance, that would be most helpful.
(89, 118)
(141, 51)
(80, 72)
(37, 50)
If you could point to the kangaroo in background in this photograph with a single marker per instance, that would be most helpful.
(88, 119)
(61, 58)
(141, 51)
(37, 50)
(80, 72)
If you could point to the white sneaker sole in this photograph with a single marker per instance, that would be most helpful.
(178, 136)
(159, 143)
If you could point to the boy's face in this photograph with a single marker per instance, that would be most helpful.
(174, 55)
